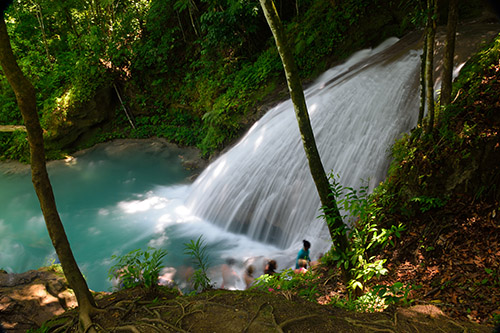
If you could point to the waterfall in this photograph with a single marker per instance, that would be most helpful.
(262, 186)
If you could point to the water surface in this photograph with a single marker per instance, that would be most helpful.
(112, 199)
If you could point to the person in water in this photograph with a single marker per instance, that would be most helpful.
(248, 276)
(303, 254)
(302, 267)
(229, 276)
(270, 267)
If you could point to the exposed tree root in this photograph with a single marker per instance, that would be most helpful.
(288, 294)
(151, 326)
(278, 327)
(463, 329)
(292, 320)
(253, 318)
(264, 313)
(130, 328)
(374, 328)
(165, 323)
(86, 323)
(131, 307)
(72, 320)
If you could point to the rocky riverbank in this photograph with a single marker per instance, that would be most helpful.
(190, 157)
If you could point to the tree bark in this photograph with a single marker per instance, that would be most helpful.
(333, 217)
(429, 61)
(26, 99)
(421, 111)
(39, 17)
(449, 52)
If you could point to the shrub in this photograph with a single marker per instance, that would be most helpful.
(364, 236)
(287, 282)
(138, 268)
(198, 251)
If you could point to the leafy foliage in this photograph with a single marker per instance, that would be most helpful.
(198, 251)
(14, 146)
(377, 299)
(427, 203)
(427, 170)
(397, 293)
(138, 268)
(191, 71)
(287, 282)
(364, 236)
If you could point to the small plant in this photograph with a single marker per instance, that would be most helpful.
(395, 294)
(494, 277)
(138, 268)
(369, 302)
(287, 282)
(364, 236)
(377, 299)
(55, 267)
(197, 250)
(428, 203)
(496, 321)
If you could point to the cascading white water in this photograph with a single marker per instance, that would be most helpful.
(262, 186)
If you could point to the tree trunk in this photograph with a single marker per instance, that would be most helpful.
(69, 21)
(180, 25)
(192, 4)
(333, 217)
(25, 95)
(449, 52)
(429, 61)
(39, 17)
(422, 83)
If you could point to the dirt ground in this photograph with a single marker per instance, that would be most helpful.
(251, 311)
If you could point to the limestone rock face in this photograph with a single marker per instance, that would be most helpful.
(29, 299)
(67, 126)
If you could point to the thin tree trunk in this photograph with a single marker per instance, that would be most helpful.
(39, 17)
(180, 25)
(429, 61)
(422, 83)
(333, 217)
(449, 52)
(69, 21)
(192, 4)
(25, 95)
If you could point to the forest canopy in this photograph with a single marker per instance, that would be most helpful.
(192, 71)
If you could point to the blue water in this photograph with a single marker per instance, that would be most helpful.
(113, 199)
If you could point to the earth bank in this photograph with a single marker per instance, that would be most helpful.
(28, 299)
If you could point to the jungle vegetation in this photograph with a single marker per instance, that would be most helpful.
(194, 72)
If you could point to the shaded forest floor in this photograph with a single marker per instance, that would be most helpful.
(454, 257)
(453, 252)
(252, 311)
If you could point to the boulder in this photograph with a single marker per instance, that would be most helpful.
(70, 125)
